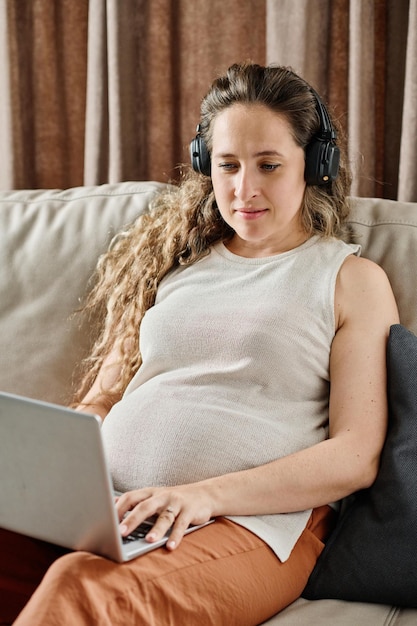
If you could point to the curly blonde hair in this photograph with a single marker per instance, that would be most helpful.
(183, 222)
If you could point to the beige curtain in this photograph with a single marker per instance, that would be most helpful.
(362, 56)
(95, 91)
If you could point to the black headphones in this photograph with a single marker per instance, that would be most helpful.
(322, 153)
(199, 154)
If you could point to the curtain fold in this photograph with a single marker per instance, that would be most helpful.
(116, 111)
(95, 91)
(397, 28)
(96, 149)
(6, 139)
(408, 162)
(362, 97)
(297, 36)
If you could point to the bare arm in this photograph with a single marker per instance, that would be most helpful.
(95, 400)
(347, 461)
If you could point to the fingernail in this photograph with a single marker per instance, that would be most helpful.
(171, 545)
(151, 537)
(123, 529)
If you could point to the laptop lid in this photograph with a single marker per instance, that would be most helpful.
(54, 481)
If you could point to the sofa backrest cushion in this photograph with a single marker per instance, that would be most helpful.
(387, 231)
(49, 245)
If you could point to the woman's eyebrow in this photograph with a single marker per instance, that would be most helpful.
(229, 155)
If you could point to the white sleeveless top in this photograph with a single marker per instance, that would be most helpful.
(235, 374)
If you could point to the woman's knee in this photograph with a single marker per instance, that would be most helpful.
(74, 569)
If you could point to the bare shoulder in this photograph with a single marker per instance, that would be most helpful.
(363, 291)
(359, 268)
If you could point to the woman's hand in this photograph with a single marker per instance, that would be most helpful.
(175, 507)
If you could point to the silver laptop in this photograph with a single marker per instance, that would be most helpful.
(54, 481)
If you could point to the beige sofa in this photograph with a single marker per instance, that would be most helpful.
(50, 242)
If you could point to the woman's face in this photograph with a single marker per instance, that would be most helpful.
(257, 172)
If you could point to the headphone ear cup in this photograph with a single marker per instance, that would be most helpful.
(200, 156)
(322, 162)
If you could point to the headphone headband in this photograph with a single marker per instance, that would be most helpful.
(326, 128)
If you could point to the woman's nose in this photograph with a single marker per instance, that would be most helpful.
(246, 186)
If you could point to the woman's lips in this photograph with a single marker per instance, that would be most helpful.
(250, 214)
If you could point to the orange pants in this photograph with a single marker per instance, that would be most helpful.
(221, 575)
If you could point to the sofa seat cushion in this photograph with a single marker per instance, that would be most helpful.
(340, 613)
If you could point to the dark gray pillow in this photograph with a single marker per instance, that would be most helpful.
(372, 554)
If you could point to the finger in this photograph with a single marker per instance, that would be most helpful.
(163, 523)
(132, 513)
(128, 501)
(178, 531)
(131, 521)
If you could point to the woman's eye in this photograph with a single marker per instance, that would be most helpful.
(227, 166)
(270, 167)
